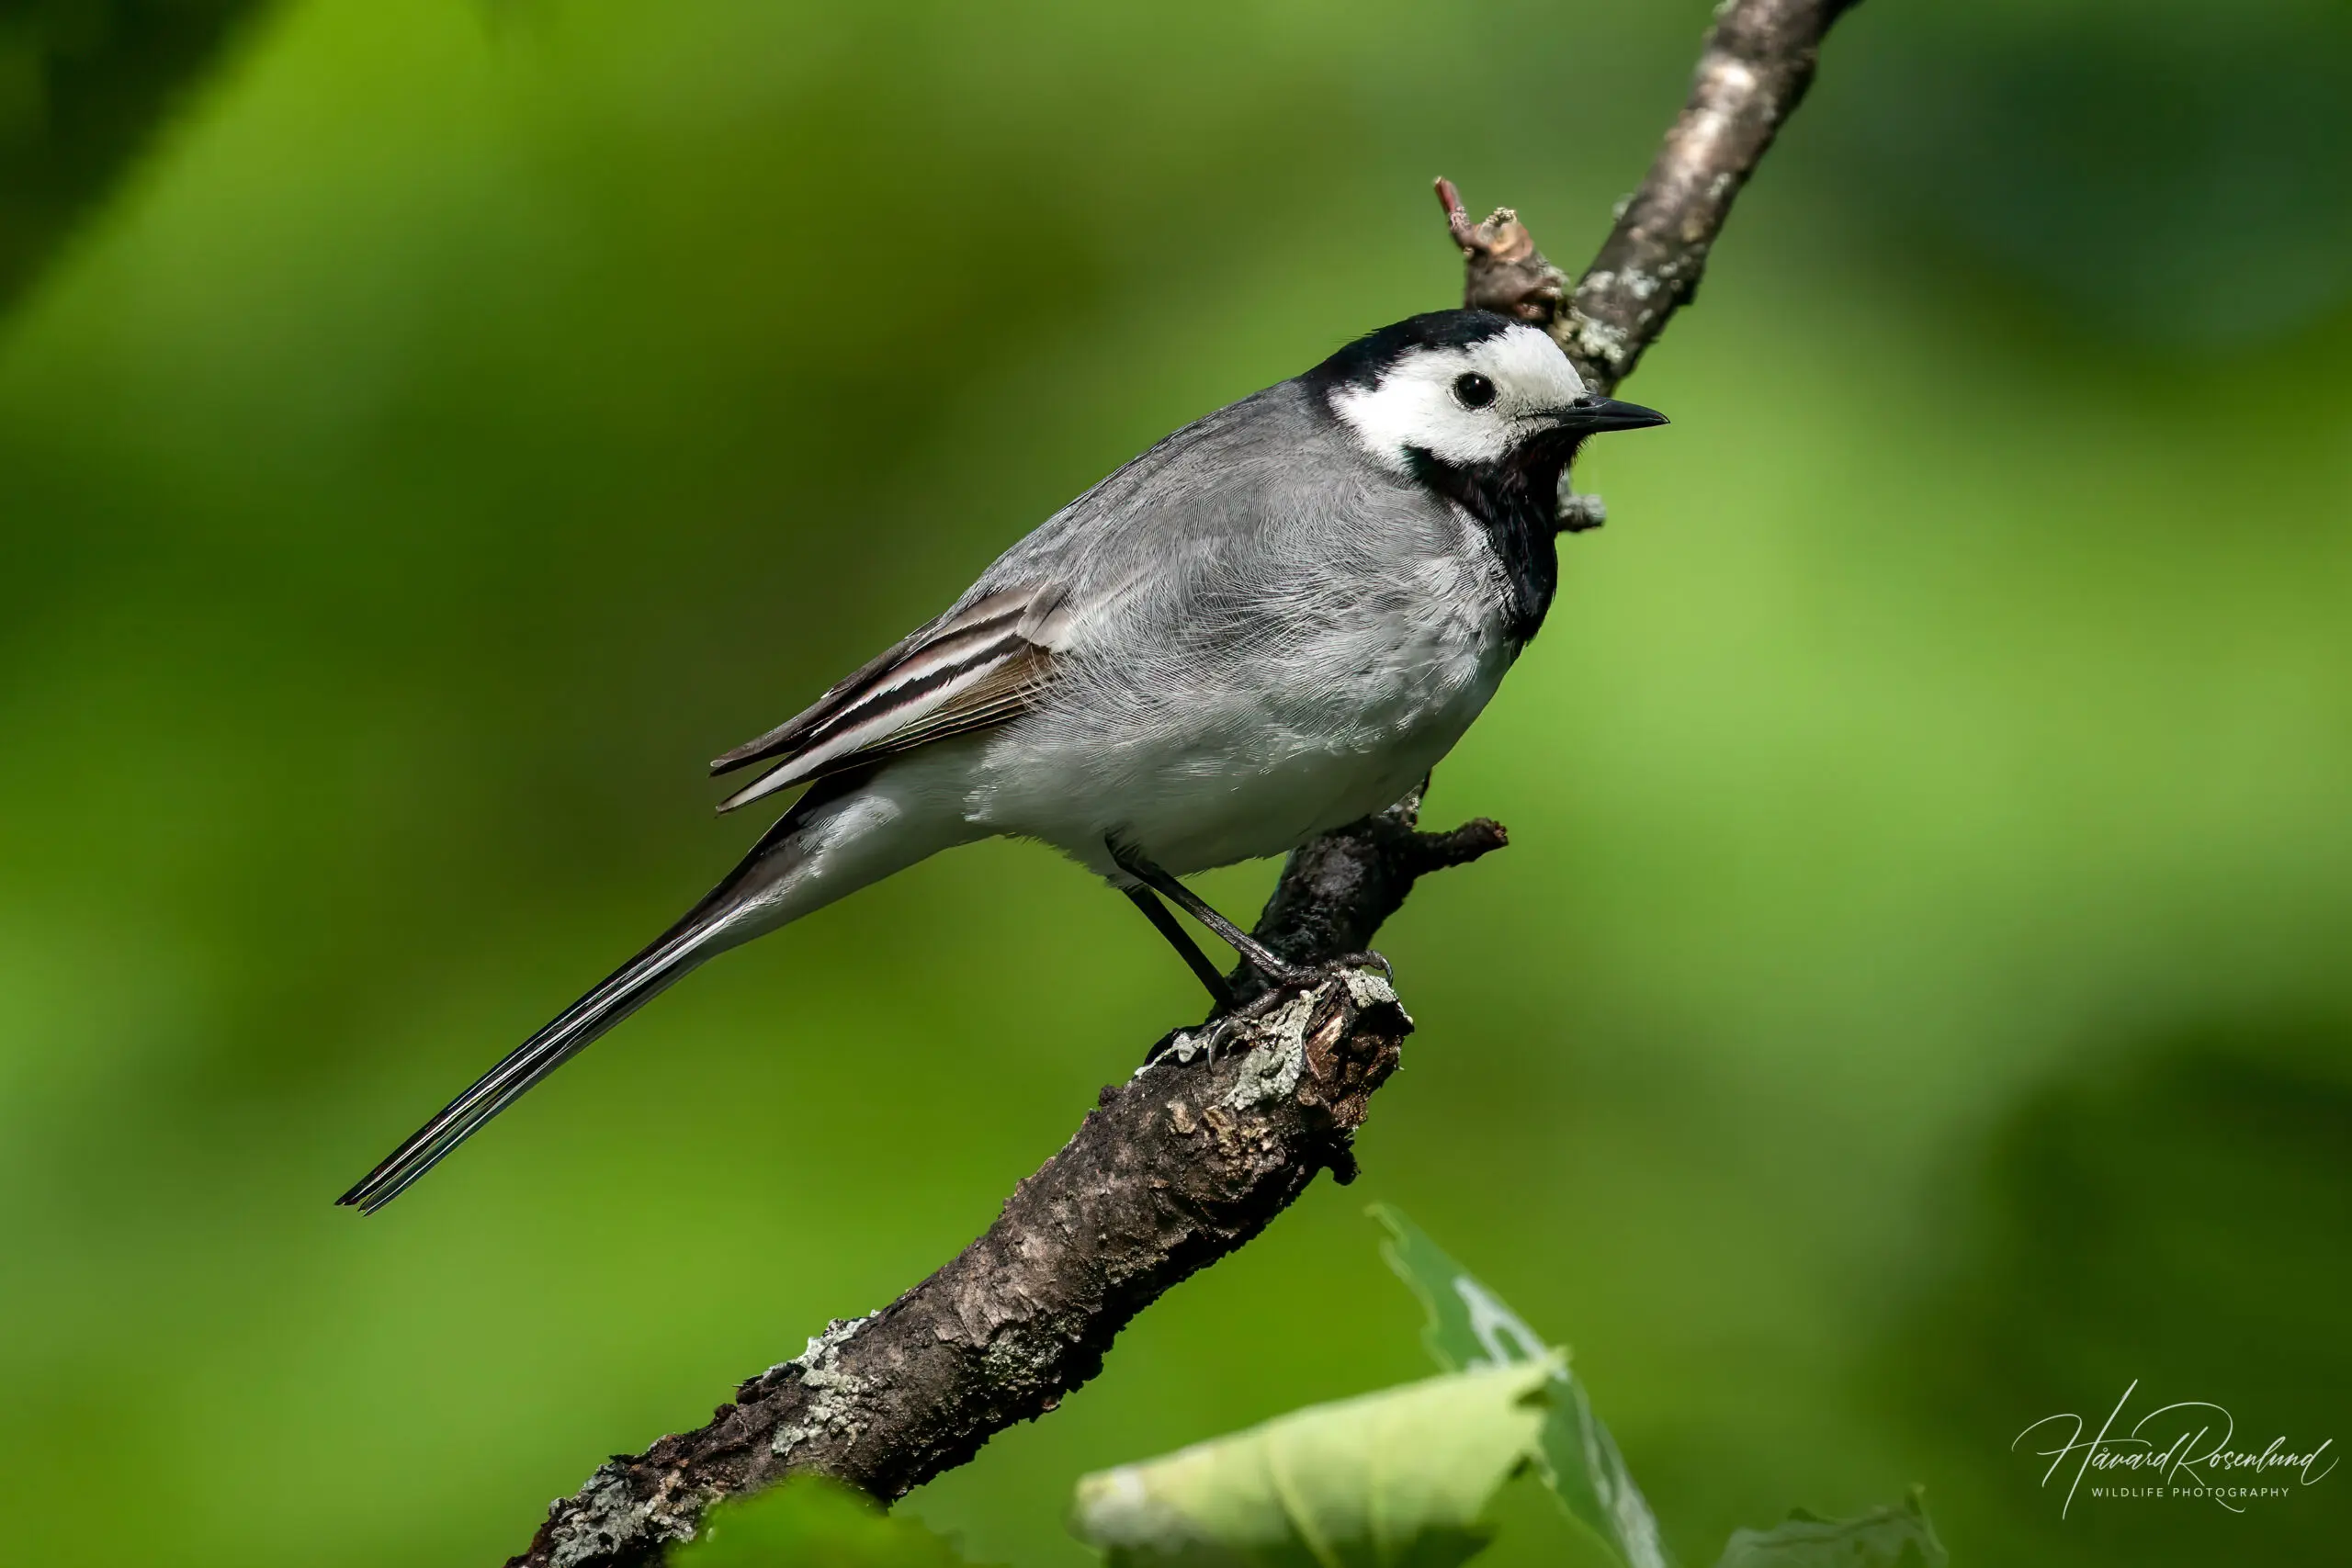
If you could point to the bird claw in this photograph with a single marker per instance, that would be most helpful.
(1293, 978)
(1200, 1042)
(1183, 1044)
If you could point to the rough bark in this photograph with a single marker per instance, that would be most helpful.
(1176, 1168)
(1220, 1130)
(1225, 1124)
(1754, 68)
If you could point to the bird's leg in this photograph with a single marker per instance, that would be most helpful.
(1186, 948)
(1255, 953)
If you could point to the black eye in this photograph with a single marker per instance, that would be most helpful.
(1474, 390)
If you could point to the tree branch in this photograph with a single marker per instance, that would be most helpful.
(1754, 68)
(1225, 1124)
(1178, 1167)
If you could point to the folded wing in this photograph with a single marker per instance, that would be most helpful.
(972, 669)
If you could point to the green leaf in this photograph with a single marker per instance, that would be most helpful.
(1883, 1538)
(808, 1521)
(1469, 1327)
(1397, 1479)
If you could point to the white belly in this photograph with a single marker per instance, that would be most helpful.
(1226, 775)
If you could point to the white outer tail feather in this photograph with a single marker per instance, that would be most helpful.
(828, 846)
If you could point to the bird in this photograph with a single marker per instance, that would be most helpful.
(1273, 621)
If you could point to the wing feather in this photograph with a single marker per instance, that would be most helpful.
(975, 668)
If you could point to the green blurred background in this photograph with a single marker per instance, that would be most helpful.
(1915, 1000)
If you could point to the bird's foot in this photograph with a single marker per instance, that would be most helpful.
(1279, 983)
(1283, 980)
(1279, 974)
(1183, 1043)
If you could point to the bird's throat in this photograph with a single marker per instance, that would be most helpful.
(1517, 502)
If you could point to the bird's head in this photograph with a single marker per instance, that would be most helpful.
(1468, 398)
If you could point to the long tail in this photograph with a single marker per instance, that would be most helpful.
(712, 926)
(625, 990)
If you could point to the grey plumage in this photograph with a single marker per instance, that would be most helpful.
(1273, 621)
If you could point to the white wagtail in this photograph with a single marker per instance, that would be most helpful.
(1273, 623)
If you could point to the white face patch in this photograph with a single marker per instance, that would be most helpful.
(1416, 404)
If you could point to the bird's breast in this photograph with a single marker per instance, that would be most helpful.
(1246, 743)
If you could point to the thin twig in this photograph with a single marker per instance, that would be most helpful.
(1753, 71)
(1502, 270)
(1754, 68)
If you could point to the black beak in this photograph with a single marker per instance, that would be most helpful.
(1587, 416)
